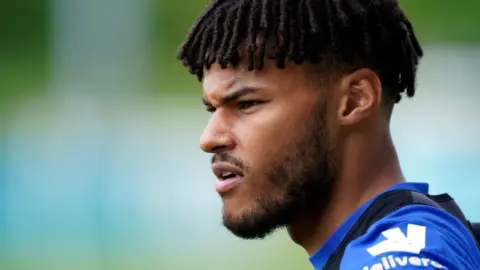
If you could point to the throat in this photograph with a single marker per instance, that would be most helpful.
(313, 228)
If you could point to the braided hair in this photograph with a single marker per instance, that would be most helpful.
(373, 34)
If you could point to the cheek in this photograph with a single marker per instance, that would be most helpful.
(263, 135)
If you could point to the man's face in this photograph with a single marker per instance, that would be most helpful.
(271, 143)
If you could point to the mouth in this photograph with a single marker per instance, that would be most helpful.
(228, 176)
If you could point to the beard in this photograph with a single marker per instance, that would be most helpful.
(300, 178)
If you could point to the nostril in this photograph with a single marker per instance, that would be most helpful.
(219, 149)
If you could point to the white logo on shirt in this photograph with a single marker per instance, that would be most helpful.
(394, 262)
(396, 240)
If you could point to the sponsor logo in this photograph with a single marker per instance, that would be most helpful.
(396, 241)
(397, 262)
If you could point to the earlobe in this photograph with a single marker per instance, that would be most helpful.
(361, 96)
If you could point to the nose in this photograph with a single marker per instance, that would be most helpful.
(216, 137)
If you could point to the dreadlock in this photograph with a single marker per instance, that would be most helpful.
(354, 33)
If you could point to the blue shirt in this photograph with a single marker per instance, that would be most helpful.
(413, 237)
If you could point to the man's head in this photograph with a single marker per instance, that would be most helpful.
(287, 81)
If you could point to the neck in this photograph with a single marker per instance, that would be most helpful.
(367, 169)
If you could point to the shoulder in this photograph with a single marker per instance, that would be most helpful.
(414, 237)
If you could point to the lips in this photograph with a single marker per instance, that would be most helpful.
(225, 171)
(228, 175)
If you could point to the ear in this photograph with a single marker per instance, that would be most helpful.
(361, 96)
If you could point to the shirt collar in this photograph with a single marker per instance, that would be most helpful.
(319, 259)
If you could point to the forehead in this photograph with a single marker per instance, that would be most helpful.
(218, 79)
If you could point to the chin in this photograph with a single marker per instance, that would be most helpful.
(251, 222)
(247, 229)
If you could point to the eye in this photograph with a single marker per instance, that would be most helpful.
(244, 105)
(210, 109)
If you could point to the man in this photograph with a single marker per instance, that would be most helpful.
(300, 94)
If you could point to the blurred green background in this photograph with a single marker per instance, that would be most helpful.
(99, 126)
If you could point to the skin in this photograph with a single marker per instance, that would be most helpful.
(311, 152)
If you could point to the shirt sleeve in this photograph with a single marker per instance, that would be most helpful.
(414, 237)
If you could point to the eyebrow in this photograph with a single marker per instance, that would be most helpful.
(232, 95)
